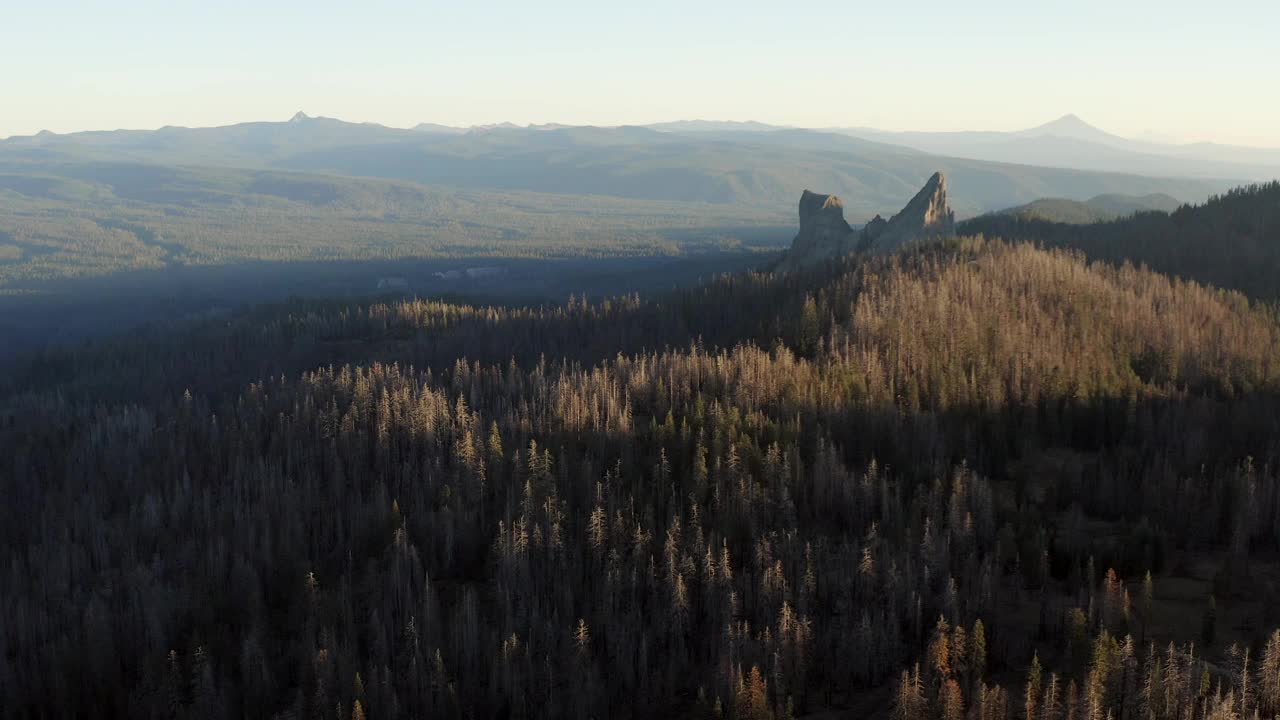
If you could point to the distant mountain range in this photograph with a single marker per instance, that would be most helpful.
(715, 126)
(1070, 142)
(746, 163)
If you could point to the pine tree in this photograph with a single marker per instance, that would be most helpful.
(809, 328)
(911, 702)
(940, 649)
(1269, 676)
(1147, 603)
(1050, 706)
(952, 701)
(978, 650)
(582, 637)
(1031, 701)
(1208, 623)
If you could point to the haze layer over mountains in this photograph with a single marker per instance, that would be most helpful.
(1071, 142)
(691, 161)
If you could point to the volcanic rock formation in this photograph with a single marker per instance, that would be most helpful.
(825, 234)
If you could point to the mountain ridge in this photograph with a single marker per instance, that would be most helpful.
(760, 167)
(1099, 208)
(1072, 142)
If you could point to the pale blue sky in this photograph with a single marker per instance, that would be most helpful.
(1181, 70)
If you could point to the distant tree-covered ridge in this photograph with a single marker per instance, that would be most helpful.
(1231, 241)
(930, 483)
(1101, 208)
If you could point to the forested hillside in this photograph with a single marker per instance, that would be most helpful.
(1096, 209)
(1231, 241)
(929, 484)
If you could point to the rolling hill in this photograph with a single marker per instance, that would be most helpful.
(1096, 209)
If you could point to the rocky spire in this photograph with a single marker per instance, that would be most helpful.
(926, 216)
(825, 234)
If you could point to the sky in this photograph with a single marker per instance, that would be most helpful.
(1172, 70)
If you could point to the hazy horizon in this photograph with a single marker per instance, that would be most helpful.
(1149, 136)
(143, 65)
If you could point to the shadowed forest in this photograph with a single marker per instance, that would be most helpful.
(971, 479)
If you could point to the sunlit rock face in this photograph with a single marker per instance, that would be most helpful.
(926, 216)
(825, 234)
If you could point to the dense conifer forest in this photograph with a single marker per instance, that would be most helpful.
(1229, 241)
(975, 479)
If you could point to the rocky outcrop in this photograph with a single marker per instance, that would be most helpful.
(825, 234)
(927, 216)
(823, 231)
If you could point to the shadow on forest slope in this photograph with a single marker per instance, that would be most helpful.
(66, 311)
